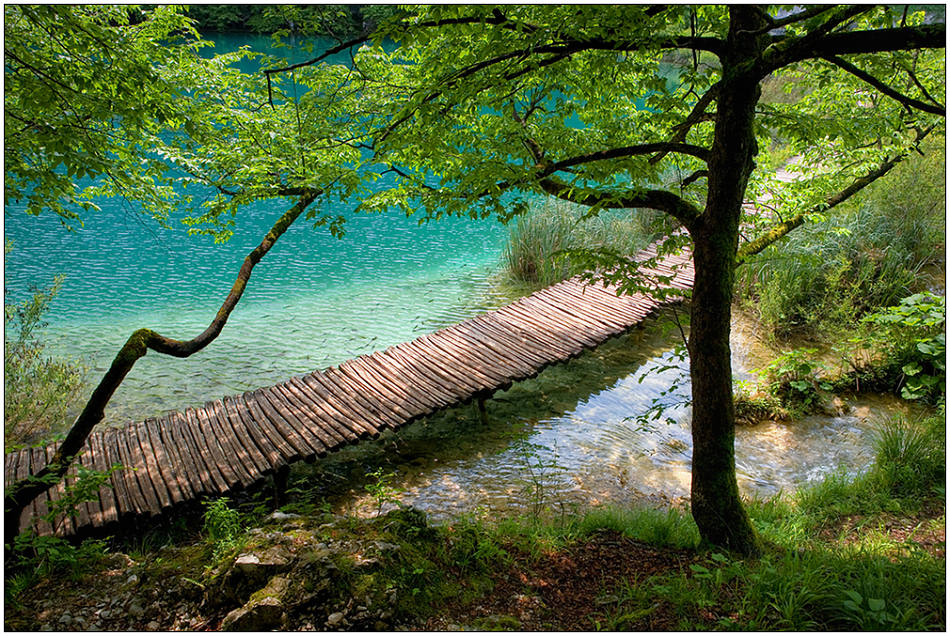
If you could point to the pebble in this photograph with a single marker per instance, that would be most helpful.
(136, 610)
(132, 580)
(153, 626)
(334, 619)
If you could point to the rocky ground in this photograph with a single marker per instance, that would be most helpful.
(299, 573)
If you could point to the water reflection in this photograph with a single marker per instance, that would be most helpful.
(571, 437)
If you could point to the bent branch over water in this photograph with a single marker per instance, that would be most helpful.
(21, 493)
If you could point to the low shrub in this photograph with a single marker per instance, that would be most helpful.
(40, 391)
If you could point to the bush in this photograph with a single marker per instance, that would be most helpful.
(827, 275)
(40, 391)
(538, 243)
(902, 348)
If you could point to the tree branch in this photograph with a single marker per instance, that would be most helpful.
(884, 88)
(21, 493)
(663, 200)
(696, 115)
(924, 36)
(755, 246)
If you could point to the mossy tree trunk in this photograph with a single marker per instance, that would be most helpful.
(716, 506)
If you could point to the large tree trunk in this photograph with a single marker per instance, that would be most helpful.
(716, 506)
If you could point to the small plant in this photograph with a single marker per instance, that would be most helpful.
(753, 406)
(222, 524)
(794, 378)
(382, 490)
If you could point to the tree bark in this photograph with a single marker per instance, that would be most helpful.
(715, 502)
(21, 493)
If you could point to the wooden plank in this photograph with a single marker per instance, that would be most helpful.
(196, 472)
(572, 336)
(318, 411)
(449, 364)
(560, 310)
(141, 504)
(338, 383)
(32, 515)
(123, 496)
(503, 332)
(280, 451)
(309, 446)
(404, 381)
(445, 365)
(161, 459)
(512, 325)
(530, 329)
(609, 301)
(521, 363)
(591, 311)
(237, 411)
(259, 465)
(404, 367)
(601, 303)
(231, 455)
(62, 524)
(290, 408)
(80, 518)
(352, 422)
(210, 452)
(153, 486)
(107, 495)
(178, 465)
(273, 406)
(344, 403)
(94, 515)
(480, 362)
(390, 397)
(293, 446)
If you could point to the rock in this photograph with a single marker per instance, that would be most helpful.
(334, 619)
(136, 610)
(66, 619)
(153, 626)
(277, 515)
(265, 614)
(132, 580)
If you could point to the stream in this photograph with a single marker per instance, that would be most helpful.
(570, 438)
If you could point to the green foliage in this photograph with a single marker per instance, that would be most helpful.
(223, 526)
(828, 274)
(794, 378)
(911, 456)
(911, 337)
(544, 239)
(753, 406)
(337, 21)
(381, 489)
(40, 391)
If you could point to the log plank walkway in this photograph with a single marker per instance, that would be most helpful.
(237, 441)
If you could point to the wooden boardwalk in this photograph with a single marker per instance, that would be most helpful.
(237, 441)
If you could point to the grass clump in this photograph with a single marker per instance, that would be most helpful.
(538, 243)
